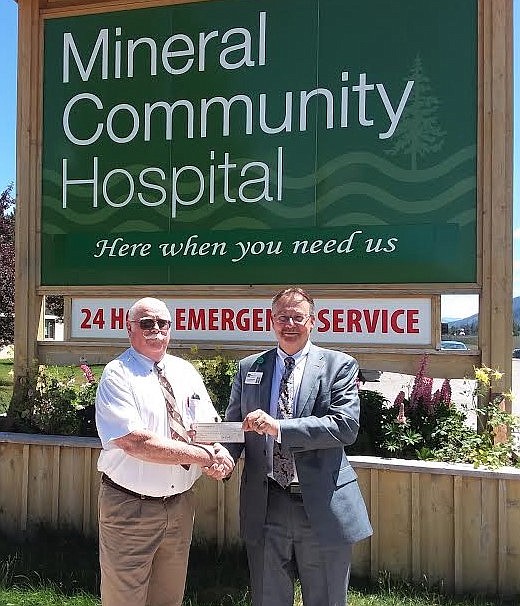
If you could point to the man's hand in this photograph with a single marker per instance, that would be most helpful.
(223, 463)
(261, 422)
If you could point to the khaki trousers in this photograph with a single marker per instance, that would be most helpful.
(143, 548)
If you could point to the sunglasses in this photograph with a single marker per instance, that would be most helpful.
(149, 323)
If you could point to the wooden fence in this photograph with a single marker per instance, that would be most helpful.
(443, 524)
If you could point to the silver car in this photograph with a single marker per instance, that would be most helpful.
(453, 345)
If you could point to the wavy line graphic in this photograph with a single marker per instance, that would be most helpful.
(387, 176)
(399, 204)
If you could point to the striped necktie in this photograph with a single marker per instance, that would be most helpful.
(283, 460)
(177, 428)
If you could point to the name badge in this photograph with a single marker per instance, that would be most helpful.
(253, 378)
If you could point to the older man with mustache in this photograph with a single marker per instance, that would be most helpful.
(149, 464)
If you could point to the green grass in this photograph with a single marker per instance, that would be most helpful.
(58, 569)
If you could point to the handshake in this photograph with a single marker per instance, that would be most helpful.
(222, 464)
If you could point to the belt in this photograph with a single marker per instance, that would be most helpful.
(109, 482)
(293, 490)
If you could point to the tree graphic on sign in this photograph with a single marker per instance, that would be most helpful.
(419, 132)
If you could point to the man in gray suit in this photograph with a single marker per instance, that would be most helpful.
(300, 504)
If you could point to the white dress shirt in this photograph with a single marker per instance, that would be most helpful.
(129, 398)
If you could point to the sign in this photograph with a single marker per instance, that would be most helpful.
(204, 143)
(359, 321)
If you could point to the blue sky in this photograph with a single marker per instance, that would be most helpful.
(453, 307)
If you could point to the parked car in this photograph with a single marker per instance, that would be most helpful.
(516, 353)
(369, 375)
(453, 345)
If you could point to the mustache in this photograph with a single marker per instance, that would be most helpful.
(155, 337)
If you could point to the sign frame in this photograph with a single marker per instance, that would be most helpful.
(494, 200)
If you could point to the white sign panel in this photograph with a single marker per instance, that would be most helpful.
(363, 321)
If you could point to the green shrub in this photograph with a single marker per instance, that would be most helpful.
(375, 411)
(218, 374)
(429, 426)
(421, 425)
(54, 404)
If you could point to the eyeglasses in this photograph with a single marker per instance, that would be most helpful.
(298, 320)
(149, 323)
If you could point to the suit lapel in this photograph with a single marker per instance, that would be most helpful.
(265, 364)
(309, 383)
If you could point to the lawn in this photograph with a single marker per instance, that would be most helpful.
(57, 569)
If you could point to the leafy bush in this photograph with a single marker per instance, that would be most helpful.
(218, 374)
(429, 426)
(374, 413)
(422, 425)
(55, 404)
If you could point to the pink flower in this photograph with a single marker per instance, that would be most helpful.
(399, 398)
(418, 382)
(401, 417)
(446, 392)
(87, 372)
(425, 392)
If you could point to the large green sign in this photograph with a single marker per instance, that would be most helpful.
(261, 141)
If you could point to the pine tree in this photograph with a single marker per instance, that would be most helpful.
(419, 132)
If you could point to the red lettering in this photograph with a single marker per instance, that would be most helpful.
(269, 320)
(99, 319)
(257, 320)
(371, 319)
(393, 320)
(117, 317)
(337, 320)
(227, 319)
(384, 320)
(323, 318)
(243, 320)
(86, 320)
(180, 318)
(213, 319)
(412, 320)
(196, 319)
(354, 320)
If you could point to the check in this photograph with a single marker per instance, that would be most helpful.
(219, 432)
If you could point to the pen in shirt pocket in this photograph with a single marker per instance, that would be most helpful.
(192, 404)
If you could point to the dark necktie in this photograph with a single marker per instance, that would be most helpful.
(283, 460)
(177, 429)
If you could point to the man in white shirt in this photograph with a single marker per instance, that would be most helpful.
(144, 407)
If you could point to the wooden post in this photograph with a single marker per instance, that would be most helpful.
(28, 302)
(495, 172)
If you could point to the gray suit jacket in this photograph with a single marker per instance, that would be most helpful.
(325, 420)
